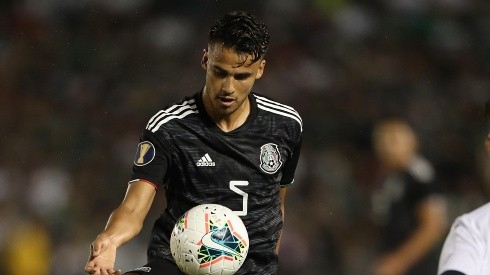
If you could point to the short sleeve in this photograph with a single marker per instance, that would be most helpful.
(290, 166)
(462, 249)
(151, 159)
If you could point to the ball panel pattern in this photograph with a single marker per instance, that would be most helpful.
(209, 239)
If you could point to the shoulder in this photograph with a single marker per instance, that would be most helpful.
(473, 227)
(177, 111)
(467, 243)
(479, 215)
(275, 108)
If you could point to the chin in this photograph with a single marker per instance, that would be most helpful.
(227, 111)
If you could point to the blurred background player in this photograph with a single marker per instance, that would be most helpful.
(467, 246)
(406, 204)
(224, 145)
(426, 60)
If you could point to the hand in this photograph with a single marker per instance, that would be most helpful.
(102, 257)
(389, 265)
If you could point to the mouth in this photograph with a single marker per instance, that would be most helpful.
(226, 100)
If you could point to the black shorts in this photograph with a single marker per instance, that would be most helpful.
(158, 266)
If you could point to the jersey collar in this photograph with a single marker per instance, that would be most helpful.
(205, 116)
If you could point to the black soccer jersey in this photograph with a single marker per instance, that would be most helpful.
(396, 206)
(196, 162)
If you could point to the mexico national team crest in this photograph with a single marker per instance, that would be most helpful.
(144, 154)
(270, 158)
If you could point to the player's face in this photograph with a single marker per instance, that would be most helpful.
(229, 79)
(395, 145)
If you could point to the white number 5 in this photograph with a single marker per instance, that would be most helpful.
(240, 192)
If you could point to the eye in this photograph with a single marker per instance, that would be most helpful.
(242, 76)
(219, 73)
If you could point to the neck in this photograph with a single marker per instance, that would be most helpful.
(228, 122)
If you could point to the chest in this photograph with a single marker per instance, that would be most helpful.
(208, 153)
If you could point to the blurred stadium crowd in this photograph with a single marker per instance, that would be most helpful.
(79, 79)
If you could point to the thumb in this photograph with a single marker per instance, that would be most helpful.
(98, 245)
(95, 247)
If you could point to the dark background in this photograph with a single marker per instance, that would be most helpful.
(80, 79)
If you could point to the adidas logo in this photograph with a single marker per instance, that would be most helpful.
(205, 161)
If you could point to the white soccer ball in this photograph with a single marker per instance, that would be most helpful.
(209, 239)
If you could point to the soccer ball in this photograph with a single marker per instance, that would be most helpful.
(209, 239)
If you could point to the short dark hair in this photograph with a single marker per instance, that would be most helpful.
(243, 32)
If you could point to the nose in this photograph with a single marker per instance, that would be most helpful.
(228, 86)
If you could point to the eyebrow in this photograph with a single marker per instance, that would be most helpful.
(218, 68)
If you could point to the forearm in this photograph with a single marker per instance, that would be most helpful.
(127, 220)
(278, 246)
(417, 246)
(282, 195)
(432, 224)
(123, 225)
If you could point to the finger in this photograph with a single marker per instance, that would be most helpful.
(92, 250)
(117, 272)
(89, 268)
(112, 271)
(96, 248)
(93, 271)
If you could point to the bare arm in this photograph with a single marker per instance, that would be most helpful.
(127, 220)
(124, 223)
(432, 224)
(282, 194)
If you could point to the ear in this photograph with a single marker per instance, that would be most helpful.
(204, 60)
(260, 70)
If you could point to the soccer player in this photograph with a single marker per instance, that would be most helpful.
(467, 246)
(225, 144)
(407, 206)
